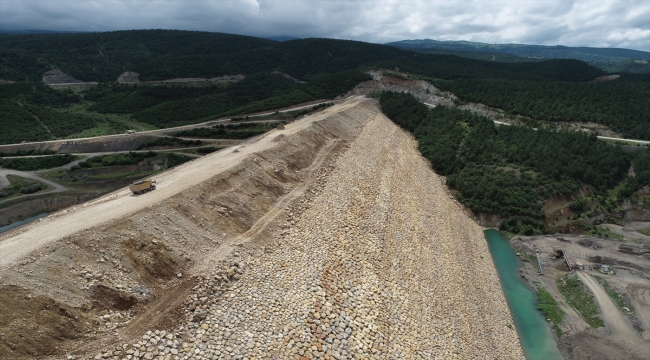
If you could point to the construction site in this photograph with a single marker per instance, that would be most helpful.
(601, 287)
(329, 238)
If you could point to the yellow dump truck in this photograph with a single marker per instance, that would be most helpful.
(142, 186)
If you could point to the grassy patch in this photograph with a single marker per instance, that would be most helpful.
(130, 158)
(508, 235)
(168, 141)
(102, 128)
(107, 123)
(548, 306)
(19, 185)
(618, 299)
(579, 297)
(644, 231)
(37, 163)
(603, 231)
(208, 149)
(177, 159)
(123, 175)
(32, 152)
(222, 132)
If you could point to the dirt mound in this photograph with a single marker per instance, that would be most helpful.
(606, 78)
(58, 77)
(109, 298)
(128, 77)
(35, 325)
(152, 259)
(422, 90)
(138, 267)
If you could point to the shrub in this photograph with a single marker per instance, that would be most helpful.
(29, 189)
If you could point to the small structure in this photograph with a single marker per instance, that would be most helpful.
(539, 263)
(579, 265)
(130, 131)
(605, 268)
(559, 254)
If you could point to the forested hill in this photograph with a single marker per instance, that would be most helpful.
(559, 89)
(104, 56)
(164, 54)
(547, 52)
(511, 171)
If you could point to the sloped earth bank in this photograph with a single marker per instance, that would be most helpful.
(334, 240)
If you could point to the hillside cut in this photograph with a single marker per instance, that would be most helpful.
(337, 242)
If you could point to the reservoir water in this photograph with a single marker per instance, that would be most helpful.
(21, 222)
(534, 333)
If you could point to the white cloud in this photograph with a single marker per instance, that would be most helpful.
(572, 23)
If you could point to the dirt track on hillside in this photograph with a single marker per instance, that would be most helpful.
(122, 202)
(611, 315)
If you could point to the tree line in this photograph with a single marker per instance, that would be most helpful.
(506, 170)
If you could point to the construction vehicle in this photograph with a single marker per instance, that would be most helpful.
(142, 186)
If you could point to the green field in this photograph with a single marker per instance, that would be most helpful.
(37, 163)
(579, 297)
(549, 307)
(19, 186)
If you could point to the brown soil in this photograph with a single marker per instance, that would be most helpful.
(35, 325)
(128, 260)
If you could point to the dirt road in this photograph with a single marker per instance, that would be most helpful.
(610, 313)
(5, 182)
(179, 128)
(122, 202)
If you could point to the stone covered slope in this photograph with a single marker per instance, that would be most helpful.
(381, 263)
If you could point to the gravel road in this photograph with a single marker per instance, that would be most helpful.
(610, 313)
(122, 202)
(5, 182)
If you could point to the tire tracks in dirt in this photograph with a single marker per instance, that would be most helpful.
(610, 313)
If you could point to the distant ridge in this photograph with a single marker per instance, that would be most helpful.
(590, 54)
(281, 38)
(38, 31)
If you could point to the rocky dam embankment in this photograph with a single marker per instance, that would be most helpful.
(330, 239)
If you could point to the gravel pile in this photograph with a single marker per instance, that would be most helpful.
(377, 261)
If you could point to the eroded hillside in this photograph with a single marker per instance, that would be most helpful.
(332, 238)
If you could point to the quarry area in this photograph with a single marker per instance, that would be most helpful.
(615, 295)
(329, 239)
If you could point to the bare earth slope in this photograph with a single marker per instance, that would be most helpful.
(383, 264)
(330, 239)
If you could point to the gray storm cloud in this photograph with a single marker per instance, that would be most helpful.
(573, 23)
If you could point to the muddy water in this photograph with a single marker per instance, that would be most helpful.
(535, 334)
(21, 222)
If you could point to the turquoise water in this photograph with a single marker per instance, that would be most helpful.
(18, 223)
(535, 334)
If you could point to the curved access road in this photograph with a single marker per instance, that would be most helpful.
(611, 315)
(184, 127)
(122, 202)
(5, 182)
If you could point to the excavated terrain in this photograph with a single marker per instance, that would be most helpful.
(331, 239)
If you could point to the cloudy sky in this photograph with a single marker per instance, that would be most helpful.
(622, 23)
